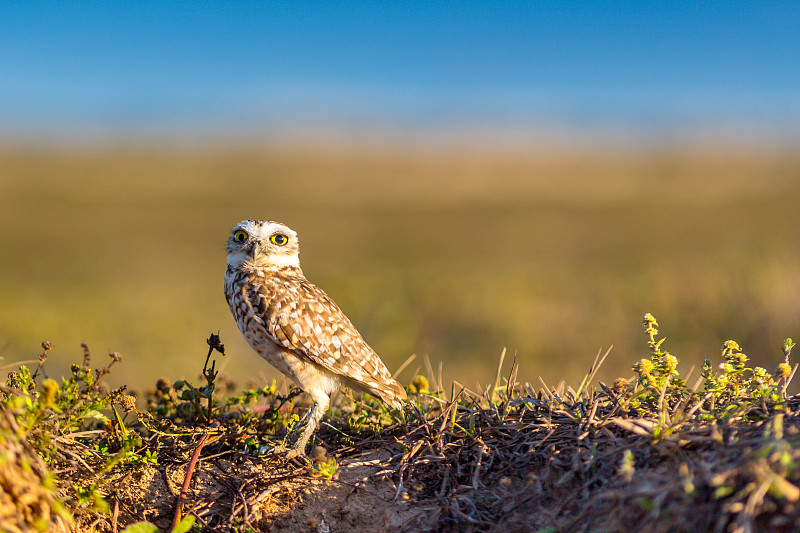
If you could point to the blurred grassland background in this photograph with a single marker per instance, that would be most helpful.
(457, 253)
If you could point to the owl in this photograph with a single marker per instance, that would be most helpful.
(295, 326)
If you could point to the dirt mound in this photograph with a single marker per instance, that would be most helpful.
(271, 495)
(28, 499)
(650, 454)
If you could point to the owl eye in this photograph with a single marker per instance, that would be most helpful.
(279, 239)
(240, 236)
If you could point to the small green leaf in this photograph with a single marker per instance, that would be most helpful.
(97, 415)
(185, 525)
(144, 527)
(722, 492)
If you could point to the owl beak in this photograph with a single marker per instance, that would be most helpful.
(254, 249)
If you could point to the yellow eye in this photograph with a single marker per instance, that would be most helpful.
(240, 236)
(279, 239)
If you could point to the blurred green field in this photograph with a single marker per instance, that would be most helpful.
(456, 254)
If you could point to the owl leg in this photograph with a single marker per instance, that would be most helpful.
(314, 415)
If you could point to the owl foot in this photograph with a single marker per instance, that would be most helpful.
(288, 452)
(295, 453)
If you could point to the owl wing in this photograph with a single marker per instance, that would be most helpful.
(299, 316)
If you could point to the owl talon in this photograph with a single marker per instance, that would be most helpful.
(294, 453)
(276, 450)
(286, 451)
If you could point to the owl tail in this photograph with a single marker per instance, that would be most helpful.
(394, 394)
(389, 392)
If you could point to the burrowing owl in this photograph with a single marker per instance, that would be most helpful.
(295, 326)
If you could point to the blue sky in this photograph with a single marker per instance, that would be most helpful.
(121, 67)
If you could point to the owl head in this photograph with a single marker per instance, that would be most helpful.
(263, 242)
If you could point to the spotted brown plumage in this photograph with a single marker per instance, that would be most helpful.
(294, 325)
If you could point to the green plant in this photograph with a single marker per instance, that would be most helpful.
(184, 526)
(736, 390)
(73, 426)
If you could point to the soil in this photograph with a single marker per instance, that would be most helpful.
(274, 495)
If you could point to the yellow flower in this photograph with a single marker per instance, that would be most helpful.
(643, 367)
(732, 345)
(49, 388)
(419, 385)
(649, 319)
